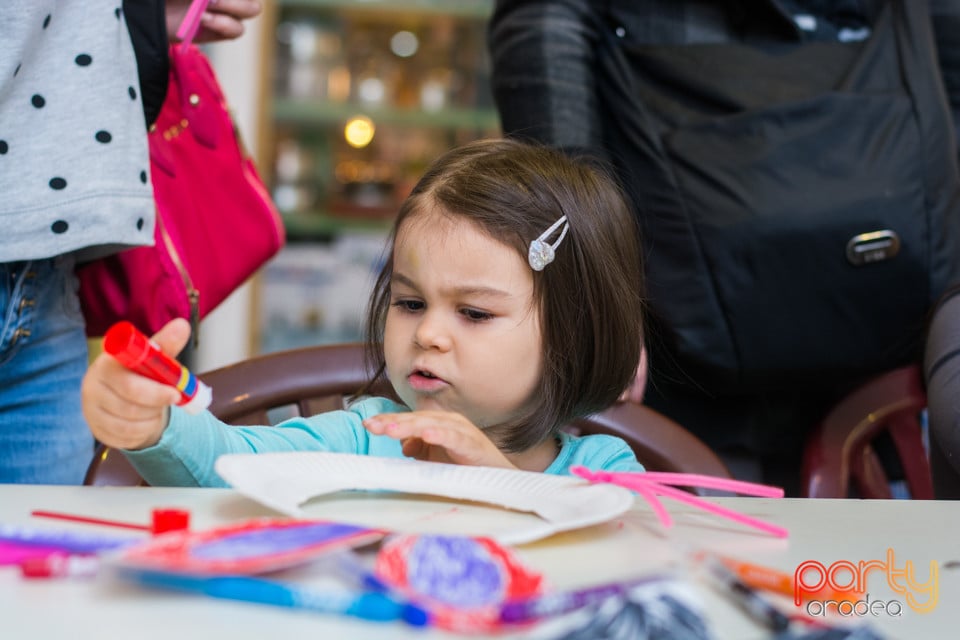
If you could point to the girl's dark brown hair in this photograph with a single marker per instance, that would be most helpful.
(589, 299)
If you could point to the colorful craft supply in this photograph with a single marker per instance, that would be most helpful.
(652, 610)
(461, 581)
(42, 553)
(45, 540)
(768, 579)
(746, 597)
(60, 565)
(649, 485)
(137, 352)
(245, 548)
(368, 605)
(560, 602)
(161, 520)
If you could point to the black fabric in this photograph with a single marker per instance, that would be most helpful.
(752, 165)
(946, 27)
(942, 376)
(146, 20)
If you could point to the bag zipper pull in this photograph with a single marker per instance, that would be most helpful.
(194, 297)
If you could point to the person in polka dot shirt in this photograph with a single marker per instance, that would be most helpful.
(74, 185)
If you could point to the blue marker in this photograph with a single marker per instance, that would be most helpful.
(351, 569)
(368, 605)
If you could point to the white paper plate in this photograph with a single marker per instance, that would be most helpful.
(286, 481)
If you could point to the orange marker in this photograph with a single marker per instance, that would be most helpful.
(768, 579)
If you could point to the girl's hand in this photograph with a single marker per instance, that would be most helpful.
(439, 436)
(223, 19)
(123, 409)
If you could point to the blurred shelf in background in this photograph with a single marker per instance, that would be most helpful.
(362, 96)
(312, 114)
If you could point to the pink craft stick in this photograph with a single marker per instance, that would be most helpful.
(683, 496)
(649, 494)
(191, 21)
(711, 482)
(684, 480)
(593, 476)
(645, 482)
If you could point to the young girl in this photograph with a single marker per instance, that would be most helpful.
(509, 305)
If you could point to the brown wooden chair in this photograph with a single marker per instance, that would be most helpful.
(268, 388)
(840, 455)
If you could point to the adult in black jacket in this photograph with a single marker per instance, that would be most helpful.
(552, 78)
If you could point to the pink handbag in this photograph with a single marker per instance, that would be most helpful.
(215, 226)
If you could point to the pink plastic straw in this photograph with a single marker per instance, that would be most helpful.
(191, 21)
(651, 484)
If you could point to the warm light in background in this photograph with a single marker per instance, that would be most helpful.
(359, 131)
(404, 44)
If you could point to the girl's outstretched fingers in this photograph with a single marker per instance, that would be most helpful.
(439, 436)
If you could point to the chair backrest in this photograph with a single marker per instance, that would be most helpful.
(314, 379)
(839, 454)
(658, 442)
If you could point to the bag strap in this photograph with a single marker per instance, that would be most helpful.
(191, 21)
(201, 100)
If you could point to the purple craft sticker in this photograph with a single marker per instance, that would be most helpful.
(272, 540)
(69, 541)
(249, 547)
(455, 570)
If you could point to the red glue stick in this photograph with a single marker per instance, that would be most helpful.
(136, 352)
(60, 565)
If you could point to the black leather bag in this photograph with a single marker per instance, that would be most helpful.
(799, 203)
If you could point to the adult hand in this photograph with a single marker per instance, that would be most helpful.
(222, 20)
(439, 436)
(123, 409)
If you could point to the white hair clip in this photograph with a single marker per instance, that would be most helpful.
(542, 252)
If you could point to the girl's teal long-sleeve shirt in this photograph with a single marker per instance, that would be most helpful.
(190, 445)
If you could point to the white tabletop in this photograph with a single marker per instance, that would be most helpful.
(630, 546)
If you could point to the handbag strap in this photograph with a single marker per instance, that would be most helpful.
(191, 21)
(201, 102)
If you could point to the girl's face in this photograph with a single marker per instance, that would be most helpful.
(462, 333)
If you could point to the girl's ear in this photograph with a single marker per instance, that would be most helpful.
(634, 393)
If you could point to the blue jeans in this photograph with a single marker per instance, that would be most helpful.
(44, 438)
